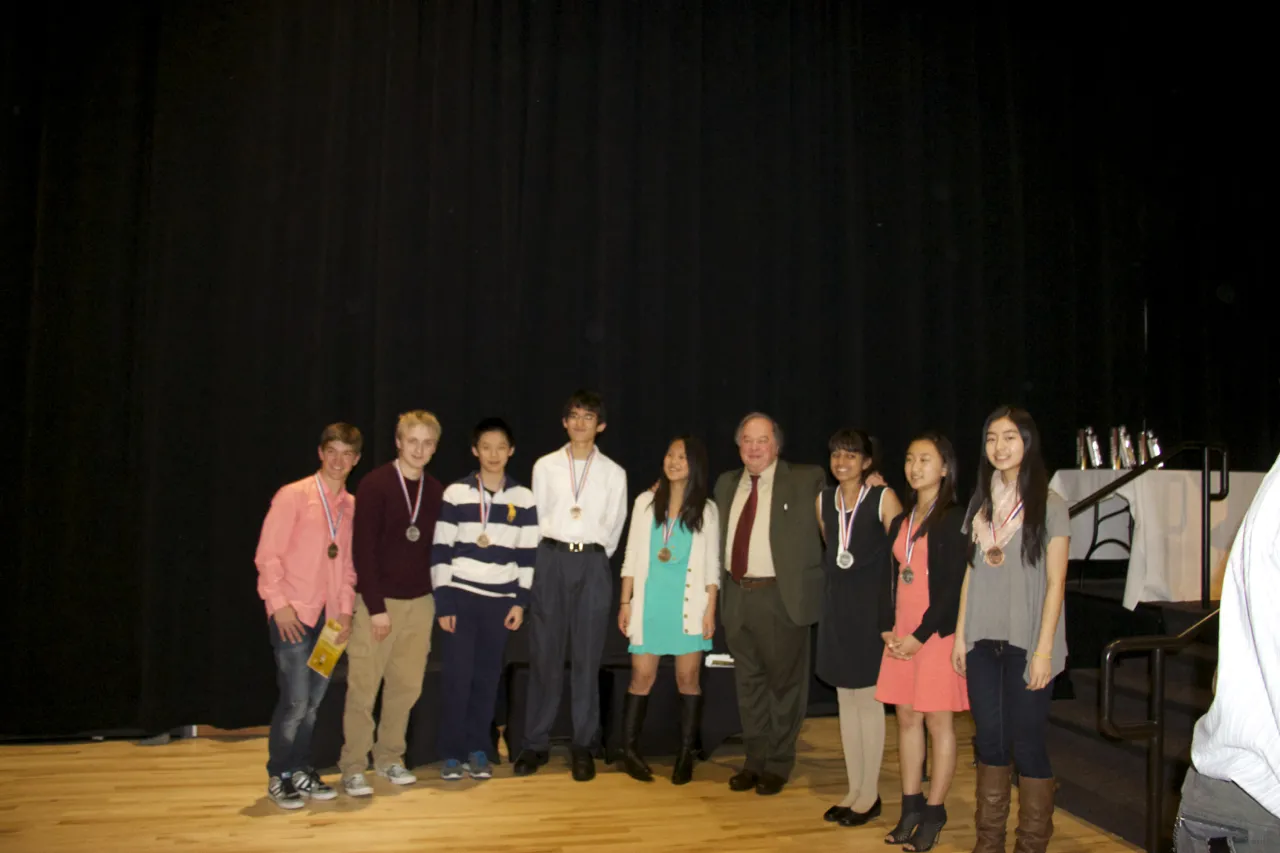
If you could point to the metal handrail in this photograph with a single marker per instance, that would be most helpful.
(1205, 449)
(1152, 729)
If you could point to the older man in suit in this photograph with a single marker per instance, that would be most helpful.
(773, 558)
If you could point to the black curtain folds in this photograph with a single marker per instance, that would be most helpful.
(232, 223)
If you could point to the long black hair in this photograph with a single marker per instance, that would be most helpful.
(1033, 482)
(856, 441)
(946, 489)
(695, 491)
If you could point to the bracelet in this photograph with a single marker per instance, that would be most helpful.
(1040, 655)
(624, 604)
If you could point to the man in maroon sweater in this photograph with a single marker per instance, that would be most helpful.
(391, 632)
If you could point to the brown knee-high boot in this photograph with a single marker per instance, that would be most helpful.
(992, 815)
(1035, 815)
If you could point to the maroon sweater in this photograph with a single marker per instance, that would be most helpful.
(387, 564)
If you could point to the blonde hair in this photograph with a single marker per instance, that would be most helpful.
(418, 417)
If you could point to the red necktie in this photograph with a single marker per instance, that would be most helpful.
(742, 534)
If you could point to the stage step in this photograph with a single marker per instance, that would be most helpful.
(1104, 781)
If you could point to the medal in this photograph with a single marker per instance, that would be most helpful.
(577, 485)
(908, 574)
(328, 517)
(412, 533)
(844, 557)
(668, 527)
(995, 554)
(486, 506)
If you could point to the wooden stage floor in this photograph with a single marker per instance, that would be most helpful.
(207, 794)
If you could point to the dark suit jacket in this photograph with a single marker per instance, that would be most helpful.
(948, 559)
(794, 536)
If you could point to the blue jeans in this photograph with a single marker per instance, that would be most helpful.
(1011, 721)
(1220, 815)
(301, 689)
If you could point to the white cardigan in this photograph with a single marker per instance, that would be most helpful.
(704, 566)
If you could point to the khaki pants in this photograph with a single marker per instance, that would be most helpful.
(396, 665)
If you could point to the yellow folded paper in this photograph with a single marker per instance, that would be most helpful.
(324, 657)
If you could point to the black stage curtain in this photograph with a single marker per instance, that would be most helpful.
(231, 223)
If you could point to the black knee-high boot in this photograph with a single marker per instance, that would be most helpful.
(690, 724)
(633, 709)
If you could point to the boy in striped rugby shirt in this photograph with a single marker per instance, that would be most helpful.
(481, 570)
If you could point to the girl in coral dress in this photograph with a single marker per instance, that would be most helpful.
(930, 553)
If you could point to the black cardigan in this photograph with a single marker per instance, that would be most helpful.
(949, 550)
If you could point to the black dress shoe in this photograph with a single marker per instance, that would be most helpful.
(769, 784)
(583, 763)
(528, 762)
(835, 813)
(744, 780)
(859, 818)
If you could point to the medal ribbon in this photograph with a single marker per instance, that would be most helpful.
(485, 508)
(668, 527)
(416, 505)
(328, 513)
(578, 485)
(846, 527)
(995, 531)
(911, 540)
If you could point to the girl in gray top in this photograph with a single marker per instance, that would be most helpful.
(1010, 637)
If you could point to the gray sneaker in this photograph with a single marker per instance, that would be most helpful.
(396, 774)
(309, 784)
(283, 794)
(478, 766)
(356, 786)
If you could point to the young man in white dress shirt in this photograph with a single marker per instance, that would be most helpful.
(1231, 797)
(581, 498)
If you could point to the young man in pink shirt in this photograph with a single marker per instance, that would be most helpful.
(305, 574)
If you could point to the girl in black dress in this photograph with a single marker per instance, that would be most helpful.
(857, 612)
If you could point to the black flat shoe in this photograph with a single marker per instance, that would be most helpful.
(928, 830)
(744, 780)
(835, 813)
(528, 762)
(859, 818)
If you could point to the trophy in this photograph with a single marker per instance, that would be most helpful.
(1153, 445)
(1082, 450)
(1095, 450)
(1127, 458)
(1115, 449)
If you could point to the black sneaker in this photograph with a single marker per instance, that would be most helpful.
(309, 785)
(283, 794)
(528, 762)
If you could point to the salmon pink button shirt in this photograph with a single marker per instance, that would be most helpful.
(294, 566)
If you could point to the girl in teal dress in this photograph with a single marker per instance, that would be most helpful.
(670, 577)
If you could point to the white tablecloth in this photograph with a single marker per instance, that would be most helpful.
(1164, 560)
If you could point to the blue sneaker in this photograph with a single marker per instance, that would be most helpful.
(452, 770)
(478, 766)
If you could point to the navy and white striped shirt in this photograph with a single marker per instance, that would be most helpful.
(502, 570)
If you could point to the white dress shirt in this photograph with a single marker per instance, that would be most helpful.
(1239, 739)
(759, 551)
(603, 500)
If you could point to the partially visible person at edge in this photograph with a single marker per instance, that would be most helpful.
(482, 568)
(771, 595)
(582, 506)
(305, 575)
(854, 517)
(1231, 795)
(931, 553)
(1010, 638)
(391, 632)
(670, 578)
